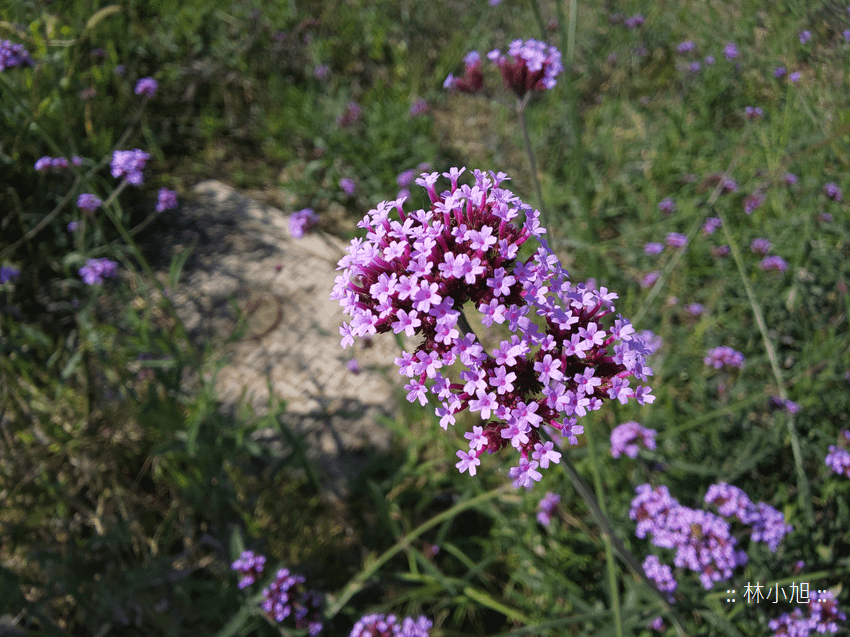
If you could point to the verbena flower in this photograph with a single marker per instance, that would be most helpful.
(795, 77)
(724, 356)
(667, 205)
(95, 270)
(695, 309)
(711, 225)
(731, 51)
(686, 47)
(625, 439)
(761, 246)
(352, 113)
(753, 112)
(321, 72)
(166, 200)
(472, 80)
(534, 66)
(390, 626)
(8, 273)
(838, 459)
(709, 60)
(72, 226)
(250, 567)
(661, 574)
(146, 86)
(773, 263)
(347, 185)
(676, 240)
(129, 164)
(790, 179)
(43, 164)
(285, 598)
(546, 507)
(832, 191)
(653, 248)
(635, 21)
(649, 279)
(419, 107)
(414, 275)
(823, 617)
(768, 524)
(657, 625)
(805, 36)
(12, 55)
(300, 222)
(780, 71)
(89, 202)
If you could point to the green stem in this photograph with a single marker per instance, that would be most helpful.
(360, 579)
(803, 491)
(606, 538)
(520, 109)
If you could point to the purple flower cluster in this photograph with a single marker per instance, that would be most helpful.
(419, 107)
(686, 47)
(472, 80)
(534, 67)
(667, 205)
(95, 270)
(724, 356)
(653, 248)
(676, 240)
(823, 618)
(146, 86)
(753, 112)
(347, 185)
(773, 263)
(838, 459)
(352, 113)
(832, 191)
(250, 567)
(415, 274)
(8, 274)
(12, 55)
(661, 574)
(390, 626)
(43, 164)
(753, 201)
(166, 200)
(711, 225)
(88, 202)
(300, 222)
(546, 507)
(634, 21)
(768, 524)
(129, 164)
(761, 246)
(625, 438)
(702, 540)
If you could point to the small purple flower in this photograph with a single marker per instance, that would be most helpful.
(676, 240)
(166, 200)
(695, 309)
(95, 270)
(790, 179)
(731, 51)
(662, 575)
(649, 279)
(8, 274)
(300, 222)
(709, 60)
(119, 70)
(832, 191)
(43, 164)
(753, 201)
(146, 86)
(795, 77)
(60, 163)
(72, 226)
(88, 202)
(846, 34)
(391, 626)
(694, 67)
(711, 225)
(730, 185)
(352, 113)
(724, 356)
(667, 205)
(286, 598)
(761, 246)
(12, 55)
(656, 624)
(353, 366)
(838, 459)
(473, 79)
(322, 72)
(773, 263)
(780, 71)
(634, 21)
(535, 66)
(250, 567)
(805, 36)
(653, 248)
(546, 508)
(129, 164)
(406, 178)
(625, 439)
(419, 107)
(686, 47)
(720, 251)
(347, 185)
(753, 112)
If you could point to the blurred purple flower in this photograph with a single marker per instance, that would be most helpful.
(301, 221)
(146, 86)
(761, 246)
(832, 191)
(353, 366)
(473, 78)
(88, 202)
(635, 21)
(653, 248)
(731, 51)
(724, 356)
(753, 112)
(790, 179)
(535, 66)
(695, 309)
(649, 279)
(60, 163)
(352, 113)
(95, 270)
(166, 200)
(322, 72)
(347, 185)
(419, 107)
(625, 439)
(780, 71)
(676, 240)
(795, 76)
(43, 164)
(805, 36)
(753, 201)
(390, 626)
(12, 55)
(720, 251)
(686, 47)
(667, 205)
(711, 225)
(546, 507)
(72, 226)
(129, 164)
(709, 60)
(773, 263)
(250, 567)
(8, 273)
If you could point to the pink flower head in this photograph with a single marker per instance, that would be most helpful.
(423, 272)
(534, 66)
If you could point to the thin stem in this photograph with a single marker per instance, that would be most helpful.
(520, 109)
(606, 539)
(605, 526)
(404, 542)
(803, 492)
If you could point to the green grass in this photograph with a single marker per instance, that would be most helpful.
(126, 495)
